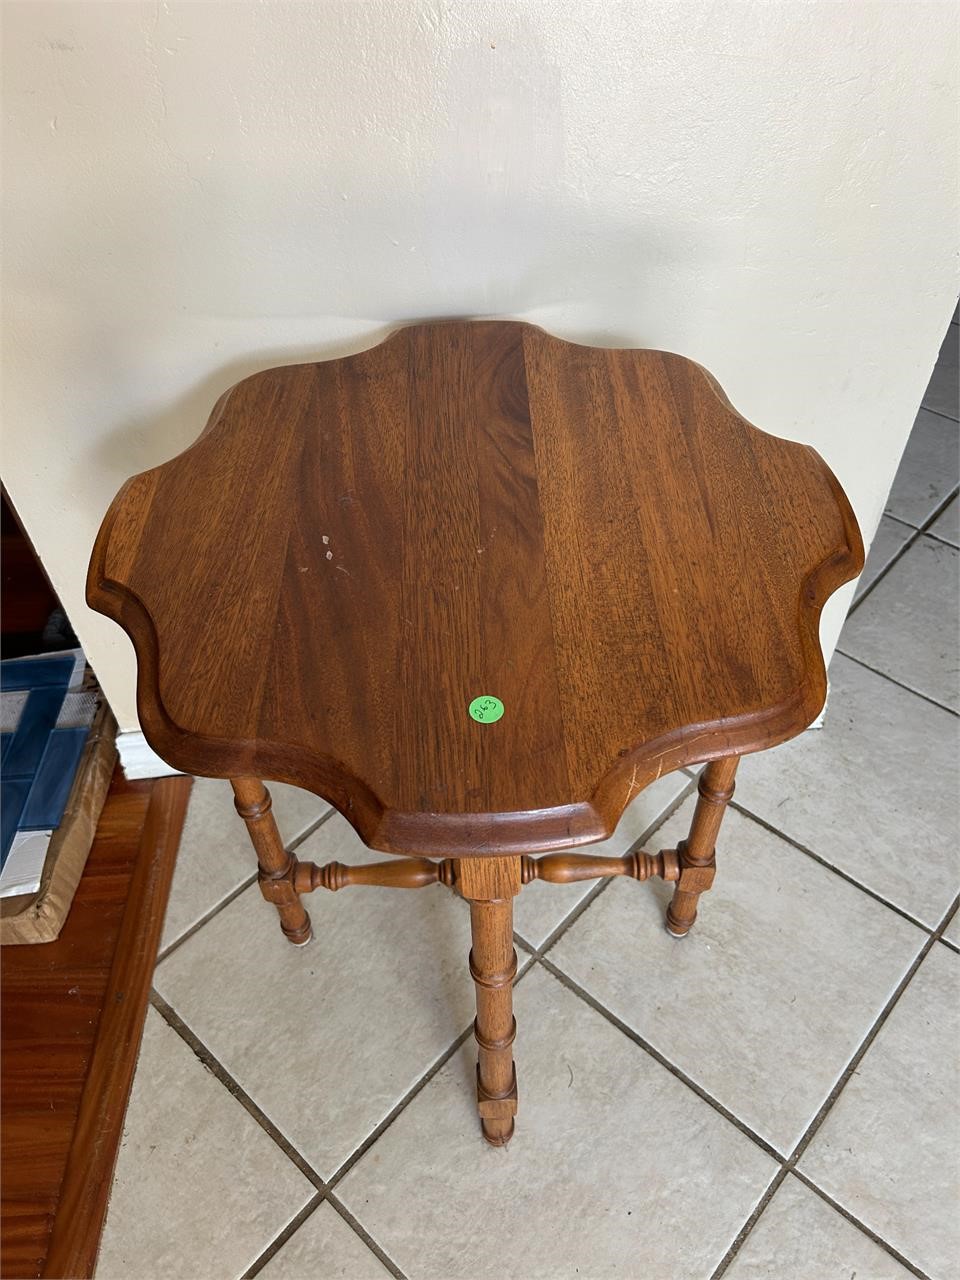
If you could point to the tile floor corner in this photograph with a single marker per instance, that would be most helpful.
(199, 1185)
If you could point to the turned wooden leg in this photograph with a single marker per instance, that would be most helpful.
(276, 865)
(490, 885)
(697, 863)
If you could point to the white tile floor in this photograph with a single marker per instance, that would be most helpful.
(775, 1096)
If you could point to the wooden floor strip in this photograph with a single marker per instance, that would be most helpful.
(73, 1014)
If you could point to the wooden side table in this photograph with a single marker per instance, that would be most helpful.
(477, 587)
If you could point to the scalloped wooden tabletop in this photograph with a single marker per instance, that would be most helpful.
(355, 550)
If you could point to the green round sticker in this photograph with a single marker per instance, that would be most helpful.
(486, 708)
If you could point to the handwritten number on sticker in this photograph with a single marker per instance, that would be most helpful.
(486, 709)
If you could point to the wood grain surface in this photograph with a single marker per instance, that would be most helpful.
(88, 1176)
(355, 549)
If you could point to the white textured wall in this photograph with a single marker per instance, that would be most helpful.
(197, 190)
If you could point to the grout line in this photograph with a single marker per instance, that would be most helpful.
(361, 1150)
(856, 1222)
(871, 586)
(944, 542)
(574, 915)
(234, 1088)
(947, 417)
(665, 1062)
(899, 683)
(811, 1130)
(938, 511)
(277, 1243)
(312, 829)
(887, 515)
(687, 790)
(919, 531)
(205, 919)
(524, 945)
(951, 914)
(829, 866)
(336, 1204)
(751, 1222)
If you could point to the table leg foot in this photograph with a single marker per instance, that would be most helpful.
(299, 937)
(254, 805)
(497, 1137)
(697, 863)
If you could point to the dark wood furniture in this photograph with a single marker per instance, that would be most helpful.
(355, 551)
(72, 1016)
(26, 597)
